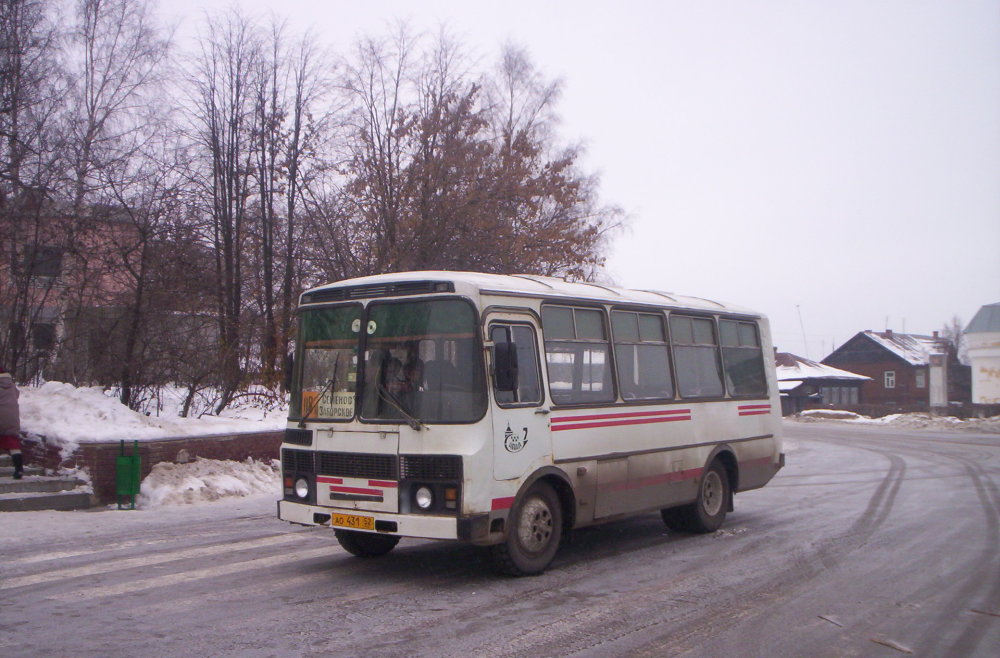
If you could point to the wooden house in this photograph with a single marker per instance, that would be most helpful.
(908, 372)
(806, 384)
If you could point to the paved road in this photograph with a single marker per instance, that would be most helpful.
(870, 542)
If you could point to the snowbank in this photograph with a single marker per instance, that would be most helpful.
(207, 480)
(68, 416)
(908, 421)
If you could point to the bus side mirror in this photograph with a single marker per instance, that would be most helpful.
(289, 369)
(505, 365)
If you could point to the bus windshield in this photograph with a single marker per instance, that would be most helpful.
(328, 365)
(422, 363)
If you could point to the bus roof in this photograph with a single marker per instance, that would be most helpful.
(528, 285)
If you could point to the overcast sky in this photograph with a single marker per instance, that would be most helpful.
(835, 165)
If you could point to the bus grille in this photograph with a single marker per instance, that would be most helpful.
(430, 467)
(357, 465)
(297, 461)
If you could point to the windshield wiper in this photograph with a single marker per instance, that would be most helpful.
(326, 389)
(312, 407)
(389, 397)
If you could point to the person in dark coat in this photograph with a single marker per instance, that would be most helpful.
(10, 422)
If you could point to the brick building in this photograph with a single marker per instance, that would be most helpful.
(909, 372)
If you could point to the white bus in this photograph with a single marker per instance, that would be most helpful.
(506, 411)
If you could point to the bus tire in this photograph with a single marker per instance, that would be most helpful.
(365, 544)
(533, 534)
(708, 512)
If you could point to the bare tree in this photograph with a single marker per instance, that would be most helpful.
(447, 176)
(117, 55)
(223, 85)
(291, 125)
(33, 238)
(380, 127)
(555, 222)
(310, 117)
(953, 332)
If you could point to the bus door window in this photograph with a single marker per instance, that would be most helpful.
(528, 389)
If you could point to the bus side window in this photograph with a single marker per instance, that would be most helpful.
(642, 356)
(743, 358)
(523, 344)
(696, 357)
(577, 355)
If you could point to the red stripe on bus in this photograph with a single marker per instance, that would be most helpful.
(327, 480)
(634, 414)
(357, 490)
(614, 423)
(754, 409)
(502, 503)
(383, 483)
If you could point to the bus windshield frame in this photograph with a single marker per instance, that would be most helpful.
(410, 361)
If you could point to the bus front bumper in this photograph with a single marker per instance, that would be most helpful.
(474, 528)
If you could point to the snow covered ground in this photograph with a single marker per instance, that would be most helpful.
(907, 421)
(67, 416)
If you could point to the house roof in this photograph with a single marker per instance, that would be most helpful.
(791, 367)
(912, 348)
(987, 320)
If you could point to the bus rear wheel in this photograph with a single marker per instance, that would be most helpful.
(533, 533)
(708, 512)
(365, 544)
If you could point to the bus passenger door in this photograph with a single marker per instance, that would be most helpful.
(520, 422)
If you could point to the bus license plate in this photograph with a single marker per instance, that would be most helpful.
(353, 521)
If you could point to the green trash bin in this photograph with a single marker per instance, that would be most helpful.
(127, 475)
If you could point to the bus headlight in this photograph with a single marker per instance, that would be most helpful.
(302, 488)
(424, 498)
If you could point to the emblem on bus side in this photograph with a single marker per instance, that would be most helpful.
(514, 442)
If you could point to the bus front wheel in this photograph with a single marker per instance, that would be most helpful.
(708, 512)
(533, 533)
(365, 544)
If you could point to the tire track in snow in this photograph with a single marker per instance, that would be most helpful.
(616, 623)
(975, 590)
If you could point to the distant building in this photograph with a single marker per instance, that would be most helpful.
(806, 384)
(907, 371)
(982, 339)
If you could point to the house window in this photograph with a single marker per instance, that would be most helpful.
(41, 261)
(43, 336)
(890, 379)
(921, 379)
